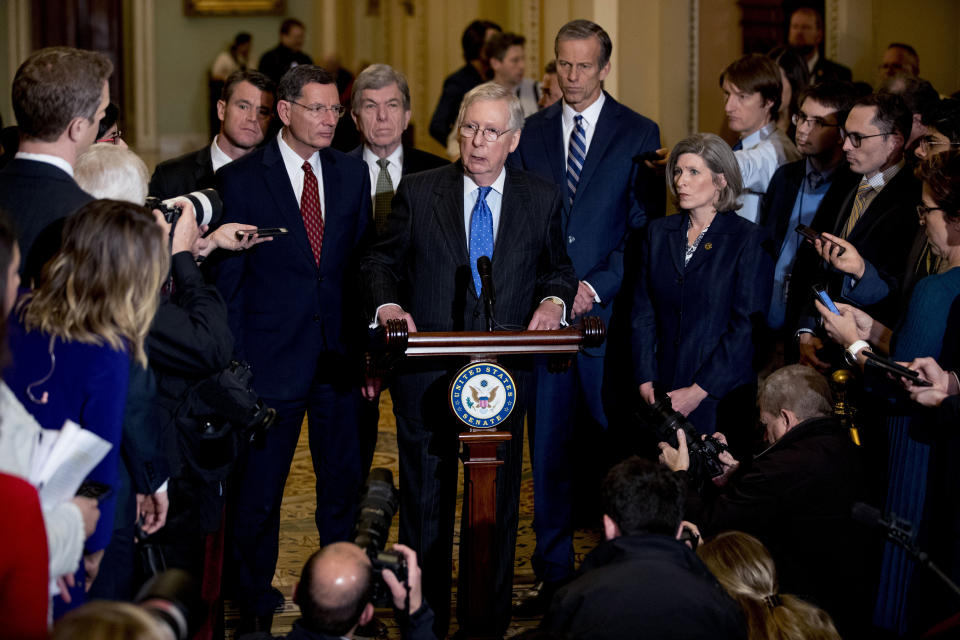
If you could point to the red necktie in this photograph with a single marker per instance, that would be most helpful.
(310, 210)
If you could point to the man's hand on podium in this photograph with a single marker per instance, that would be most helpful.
(396, 312)
(547, 317)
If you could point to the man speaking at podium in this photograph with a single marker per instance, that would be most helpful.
(423, 269)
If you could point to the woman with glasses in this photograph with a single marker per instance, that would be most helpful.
(109, 131)
(920, 332)
(705, 282)
(72, 340)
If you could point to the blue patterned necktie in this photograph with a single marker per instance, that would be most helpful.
(481, 234)
(738, 146)
(575, 156)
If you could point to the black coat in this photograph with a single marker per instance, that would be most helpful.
(181, 175)
(38, 196)
(644, 586)
(796, 498)
(829, 71)
(455, 87)
(884, 237)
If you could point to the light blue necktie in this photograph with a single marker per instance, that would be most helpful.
(481, 234)
(575, 156)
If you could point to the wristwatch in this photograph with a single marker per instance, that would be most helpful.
(850, 355)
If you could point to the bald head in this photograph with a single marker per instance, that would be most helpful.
(334, 588)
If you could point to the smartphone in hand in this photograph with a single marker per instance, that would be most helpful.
(810, 235)
(266, 232)
(825, 299)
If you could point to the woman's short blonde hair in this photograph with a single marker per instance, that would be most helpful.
(103, 286)
(112, 172)
(719, 158)
(745, 569)
(107, 620)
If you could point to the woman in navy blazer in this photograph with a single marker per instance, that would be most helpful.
(705, 282)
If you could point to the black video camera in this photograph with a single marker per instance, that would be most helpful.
(704, 452)
(174, 598)
(378, 504)
(207, 206)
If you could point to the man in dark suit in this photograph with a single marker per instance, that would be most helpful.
(456, 85)
(287, 54)
(422, 269)
(589, 145)
(245, 109)
(286, 313)
(875, 225)
(59, 96)
(797, 191)
(380, 106)
(805, 37)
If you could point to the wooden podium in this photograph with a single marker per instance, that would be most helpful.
(480, 439)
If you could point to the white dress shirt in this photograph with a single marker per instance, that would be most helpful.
(763, 151)
(217, 156)
(590, 116)
(395, 168)
(294, 165)
(56, 161)
(471, 191)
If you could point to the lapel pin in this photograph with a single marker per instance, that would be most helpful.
(708, 246)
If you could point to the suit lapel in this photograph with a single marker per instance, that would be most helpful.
(676, 239)
(278, 184)
(448, 211)
(204, 165)
(332, 196)
(515, 200)
(553, 149)
(605, 128)
(712, 242)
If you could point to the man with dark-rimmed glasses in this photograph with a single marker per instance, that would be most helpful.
(797, 191)
(867, 241)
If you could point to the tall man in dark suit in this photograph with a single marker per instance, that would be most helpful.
(589, 145)
(380, 106)
(875, 224)
(805, 37)
(59, 96)
(244, 109)
(423, 269)
(285, 301)
(797, 191)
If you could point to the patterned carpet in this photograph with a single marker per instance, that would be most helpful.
(298, 534)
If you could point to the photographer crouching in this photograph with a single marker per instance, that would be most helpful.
(795, 496)
(341, 583)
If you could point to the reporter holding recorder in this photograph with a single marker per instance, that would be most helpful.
(705, 283)
(919, 332)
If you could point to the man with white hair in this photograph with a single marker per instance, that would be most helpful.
(422, 269)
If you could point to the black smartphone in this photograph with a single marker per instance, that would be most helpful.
(266, 232)
(96, 490)
(824, 298)
(810, 235)
(896, 369)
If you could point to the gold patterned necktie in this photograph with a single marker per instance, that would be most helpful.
(859, 205)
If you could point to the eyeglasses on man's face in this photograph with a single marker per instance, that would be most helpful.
(800, 119)
(856, 139)
(320, 110)
(490, 135)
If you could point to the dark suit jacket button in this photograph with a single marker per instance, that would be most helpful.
(316, 317)
(319, 278)
(680, 280)
(476, 314)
